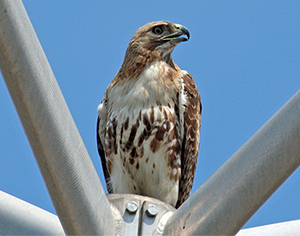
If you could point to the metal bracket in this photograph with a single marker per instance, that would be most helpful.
(139, 215)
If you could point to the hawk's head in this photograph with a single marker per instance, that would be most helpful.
(153, 41)
(159, 35)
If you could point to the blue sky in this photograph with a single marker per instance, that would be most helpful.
(243, 55)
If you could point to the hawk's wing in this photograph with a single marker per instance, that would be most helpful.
(191, 138)
(103, 159)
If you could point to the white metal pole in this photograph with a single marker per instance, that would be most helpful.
(70, 177)
(21, 218)
(227, 200)
(289, 228)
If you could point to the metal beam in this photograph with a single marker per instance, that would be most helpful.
(70, 177)
(21, 218)
(228, 199)
(289, 228)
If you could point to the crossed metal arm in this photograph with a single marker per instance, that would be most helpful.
(222, 205)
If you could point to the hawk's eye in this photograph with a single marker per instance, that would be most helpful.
(157, 29)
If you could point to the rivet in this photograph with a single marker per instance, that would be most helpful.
(152, 210)
(132, 207)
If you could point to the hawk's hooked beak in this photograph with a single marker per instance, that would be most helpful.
(180, 30)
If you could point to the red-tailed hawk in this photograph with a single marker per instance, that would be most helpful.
(148, 129)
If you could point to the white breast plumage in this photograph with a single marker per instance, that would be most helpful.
(141, 114)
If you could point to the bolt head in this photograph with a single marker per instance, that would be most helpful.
(152, 210)
(132, 207)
